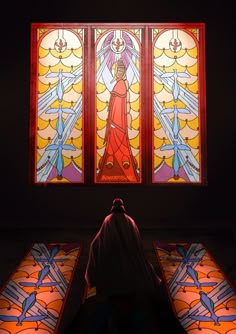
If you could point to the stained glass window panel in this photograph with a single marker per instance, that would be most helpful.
(118, 103)
(58, 53)
(118, 106)
(178, 105)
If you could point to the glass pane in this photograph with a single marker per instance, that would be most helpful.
(177, 111)
(59, 120)
(118, 77)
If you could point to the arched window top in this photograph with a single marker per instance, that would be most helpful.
(118, 103)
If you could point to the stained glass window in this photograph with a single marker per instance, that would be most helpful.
(118, 103)
(58, 53)
(177, 70)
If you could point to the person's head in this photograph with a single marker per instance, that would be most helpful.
(118, 205)
(120, 68)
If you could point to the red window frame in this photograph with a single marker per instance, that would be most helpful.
(146, 96)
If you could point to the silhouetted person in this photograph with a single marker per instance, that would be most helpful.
(128, 295)
(117, 263)
(125, 281)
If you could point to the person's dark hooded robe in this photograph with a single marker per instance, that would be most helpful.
(129, 297)
(117, 263)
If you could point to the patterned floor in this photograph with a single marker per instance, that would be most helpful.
(201, 295)
(35, 294)
(15, 245)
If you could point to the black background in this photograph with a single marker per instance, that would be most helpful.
(24, 204)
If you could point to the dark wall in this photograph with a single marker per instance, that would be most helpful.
(76, 206)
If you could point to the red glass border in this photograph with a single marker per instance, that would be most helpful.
(146, 135)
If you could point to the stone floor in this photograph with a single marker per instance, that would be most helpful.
(14, 244)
